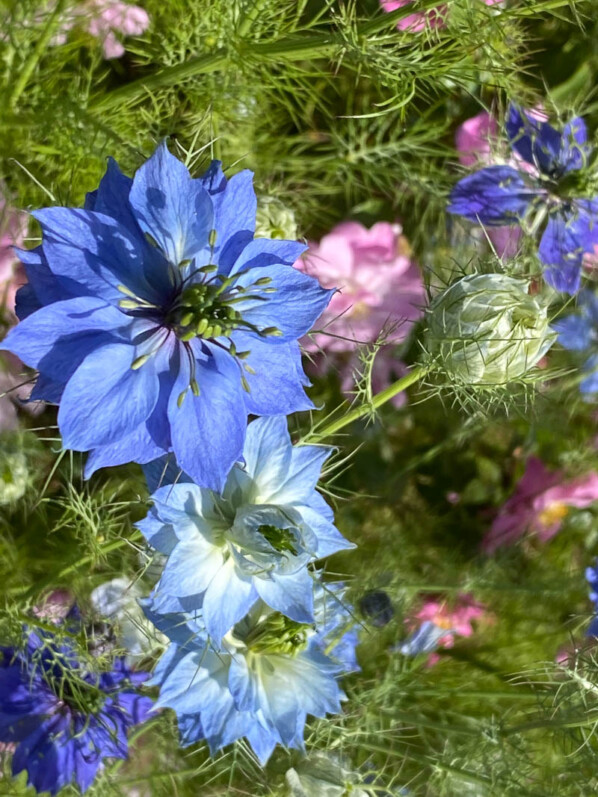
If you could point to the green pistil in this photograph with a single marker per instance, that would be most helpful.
(277, 634)
(280, 539)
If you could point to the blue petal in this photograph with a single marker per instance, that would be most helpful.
(268, 252)
(97, 254)
(164, 471)
(112, 197)
(106, 399)
(590, 383)
(213, 179)
(26, 301)
(302, 477)
(228, 598)
(138, 446)
(56, 338)
(575, 332)
(561, 252)
(267, 453)
(172, 207)
(234, 219)
(575, 151)
(190, 568)
(424, 640)
(536, 142)
(297, 302)
(208, 430)
(46, 761)
(277, 386)
(495, 196)
(292, 595)
(330, 540)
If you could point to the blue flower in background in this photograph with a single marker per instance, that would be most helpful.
(253, 541)
(579, 332)
(549, 184)
(424, 639)
(592, 579)
(159, 323)
(64, 719)
(271, 673)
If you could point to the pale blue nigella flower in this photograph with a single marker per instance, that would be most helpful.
(253, 541)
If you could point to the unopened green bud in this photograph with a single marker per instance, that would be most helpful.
(274, 220)
(486, 329)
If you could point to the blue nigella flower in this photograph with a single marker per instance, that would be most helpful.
(159, 323)
(550, 184)
(592, 579)
(271, 673)
(65, 719)
(255, 540)
(579, 332)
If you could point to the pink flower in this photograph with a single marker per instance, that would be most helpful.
(435, 18)
(456, 619)
(13, 227)
(109, 17)
(539, 504)
(380, 289)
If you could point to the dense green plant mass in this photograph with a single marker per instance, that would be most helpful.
(340, 115)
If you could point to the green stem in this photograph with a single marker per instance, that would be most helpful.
(34, 58)
(365, 409)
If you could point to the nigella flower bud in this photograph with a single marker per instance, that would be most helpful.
(14, 475)
(486, 330)
(274, 219)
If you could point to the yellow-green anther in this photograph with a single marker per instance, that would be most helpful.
(126, 291)
(245, 384)
(263, 281)
(248, 368)
(137, 363)
(194, 387)
(181, 398)
(202, 326)
(209, 332)
(209, 269)
(189, 335)
(233, 349)
(187, 319)
(270, 290)
(271, 332)
(216, 331)
(128, 304)
(242, 355)
(212, 239)
(185, 263)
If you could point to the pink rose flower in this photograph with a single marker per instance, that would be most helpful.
(435, 18)
(540, 503)
(379, 287)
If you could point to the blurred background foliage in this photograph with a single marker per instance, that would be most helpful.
(340, 115)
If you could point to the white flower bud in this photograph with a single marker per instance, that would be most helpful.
(274, 220)
(486, 329)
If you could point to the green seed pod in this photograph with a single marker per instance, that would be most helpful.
(274, 220)
(486, 329)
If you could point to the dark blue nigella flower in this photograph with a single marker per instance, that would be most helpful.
(579, 332)
(158, 323)
(377, 607)
(549, 186)
(592, 579)
(64, 719)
